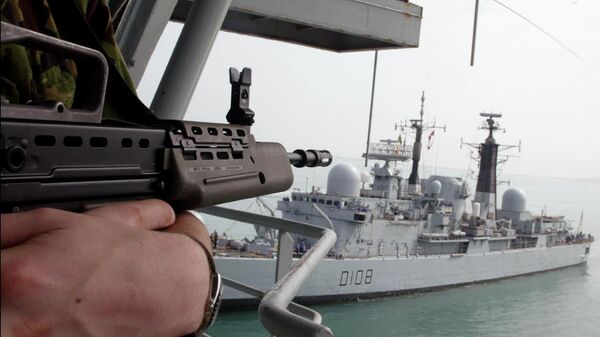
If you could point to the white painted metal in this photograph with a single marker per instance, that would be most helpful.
(285, 249)
(514, 200)
(273, 310)
(294, 307)
(189, 56)
(398, 274)
(339, 25)
(141, 26)
(344, 180)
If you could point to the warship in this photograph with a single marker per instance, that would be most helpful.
(404, 235)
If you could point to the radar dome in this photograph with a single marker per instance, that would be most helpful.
(514, 200)
(344, 180)
(435, 187)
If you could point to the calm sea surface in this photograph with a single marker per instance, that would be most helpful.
(558, 303)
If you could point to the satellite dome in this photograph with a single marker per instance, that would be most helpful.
(514, 200)
(344, 180)
(435, 187)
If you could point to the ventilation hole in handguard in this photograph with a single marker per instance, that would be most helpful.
(126, 142)
(45, 140)
(144, 143)
(190, 156)
(98, 142)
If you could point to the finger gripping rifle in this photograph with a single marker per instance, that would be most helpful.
(66, 158)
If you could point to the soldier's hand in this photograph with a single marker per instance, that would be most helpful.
(106, 272)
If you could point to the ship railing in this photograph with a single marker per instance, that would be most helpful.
(390, 151)
(294, 307)
(276, 310)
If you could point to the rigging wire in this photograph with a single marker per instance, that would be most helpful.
(471, 156)
(539, 28)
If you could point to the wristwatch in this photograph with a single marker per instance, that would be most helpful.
(216, 294)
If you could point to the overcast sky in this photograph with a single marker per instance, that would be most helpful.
(310, 98)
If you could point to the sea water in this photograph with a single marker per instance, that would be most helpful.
(558, 303)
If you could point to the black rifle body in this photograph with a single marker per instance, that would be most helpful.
(71, 159)
(188, 164)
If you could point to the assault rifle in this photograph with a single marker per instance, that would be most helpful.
(71, 159)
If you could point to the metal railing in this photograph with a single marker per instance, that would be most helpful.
(390, 151)
(294, 307)
(277, 313)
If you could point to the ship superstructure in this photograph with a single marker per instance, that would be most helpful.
(397, 217)
(396, 235)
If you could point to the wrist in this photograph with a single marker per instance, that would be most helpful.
(215, 290)
(194, 287)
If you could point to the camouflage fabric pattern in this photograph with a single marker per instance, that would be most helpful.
(98, 15)
(31, 75)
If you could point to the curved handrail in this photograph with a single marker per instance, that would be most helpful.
(273, 309)
(294, 307)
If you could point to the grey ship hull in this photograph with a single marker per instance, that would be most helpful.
(347, 279)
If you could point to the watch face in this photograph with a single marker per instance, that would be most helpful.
(215, 300)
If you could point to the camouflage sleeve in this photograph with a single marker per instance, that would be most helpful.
(30, 75)
(98, 15)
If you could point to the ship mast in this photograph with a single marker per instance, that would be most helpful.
(485, 194)
(390, 150)
(419, 126)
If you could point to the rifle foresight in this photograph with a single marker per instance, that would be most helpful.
(51, 159)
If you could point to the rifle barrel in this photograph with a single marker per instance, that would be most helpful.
(310, 158)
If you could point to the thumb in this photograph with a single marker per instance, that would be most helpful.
(188, 224)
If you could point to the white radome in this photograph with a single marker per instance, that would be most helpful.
(514, 200)
(435, 187)
(344, 180)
